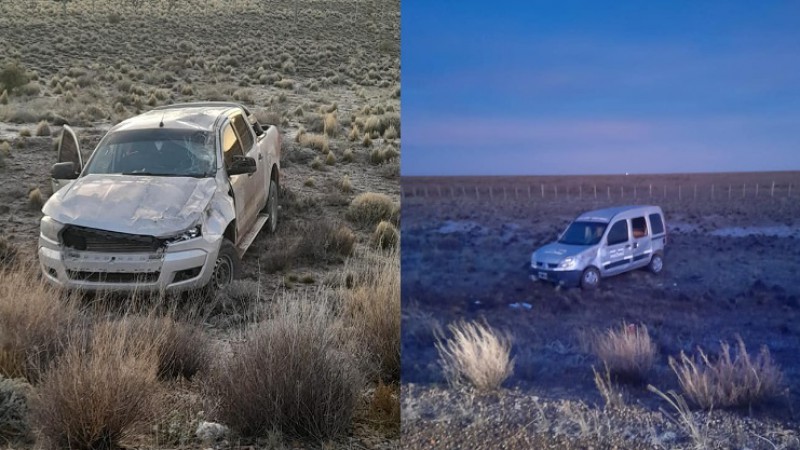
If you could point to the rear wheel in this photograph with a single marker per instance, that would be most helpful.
(656, 264)
(272, 207)
(590, 278)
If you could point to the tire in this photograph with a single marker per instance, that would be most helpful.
(227, 267)
(590, 279)
(656, 263)
(272, 207)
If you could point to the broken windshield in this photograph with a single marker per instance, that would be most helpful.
(583, 233)
(159, 152)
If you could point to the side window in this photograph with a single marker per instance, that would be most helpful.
(639, 227)
(243, 130)
(618, 233)
(230, 145)
(656, 223)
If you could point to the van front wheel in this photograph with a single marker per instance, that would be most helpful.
(590, 278)
(656, 264)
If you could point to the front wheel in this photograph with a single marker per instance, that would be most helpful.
(272, 206)
(227, 266)
(656, 264)
(590, 278)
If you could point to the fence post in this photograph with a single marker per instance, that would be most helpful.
(634, 192)
(555, 190)
(622, 192)
(790, 191)
(477, 194)
(516, 192)
(529, 192)
(504, 193)
(609, 192)
(595, 192)
(665, 192)
(680, 195)
(542, 190)
(756, 189)
(651, 191)
(695, 192)
(729, 192)
(580, 191)
(491, 193)
(744, 189)
(712, 192)
(772, 191)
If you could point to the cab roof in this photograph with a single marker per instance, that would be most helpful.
(190, 116)
(608, 214)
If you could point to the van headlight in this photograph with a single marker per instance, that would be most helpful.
(568, 263)
(50, 228)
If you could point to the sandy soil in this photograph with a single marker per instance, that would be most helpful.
(731, 269)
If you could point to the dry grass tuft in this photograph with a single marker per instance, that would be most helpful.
(315, 141)
(386, 235)
(372, 305)
(35, 323)
(627, 351)
(369, 208)
(476, 354)
(8, 252)
(14, 409)
(345, 185)
(98, 393)
(36, 198)
(341, 240)
(726, 381)
(612, 396)
(330, 127)
(384, 407)
(43, 129)
(292, 374)
(183, 349)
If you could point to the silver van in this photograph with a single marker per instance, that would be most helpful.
(602, 243)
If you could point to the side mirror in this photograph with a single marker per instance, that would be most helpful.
(64, 171)
(242, 165)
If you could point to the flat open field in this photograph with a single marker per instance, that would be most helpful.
(326, 73)
(732, 266)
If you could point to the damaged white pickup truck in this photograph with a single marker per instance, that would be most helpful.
(169, 200)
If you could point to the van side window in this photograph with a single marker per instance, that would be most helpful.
(639, 227)
(656, 223)
(618, 233)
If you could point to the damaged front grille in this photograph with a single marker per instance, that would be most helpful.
(111, 277)
(90, 239)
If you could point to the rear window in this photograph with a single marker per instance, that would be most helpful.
(618, 233)
(656, 223)
(639, 226)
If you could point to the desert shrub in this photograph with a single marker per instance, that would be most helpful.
(386, 235)
(315, 141)
(476, 354)
(341, 240)
(316, 163)
(285, 83)
(4, 97)
(728, 381)
(330, 125)
(384, 407)
(36, 198)
(114, 18)
(330, 159)
(390, 133)
(24, 132)
(13, 409)
(29, 89)
(372, 305)
(13, 76)
(627, 351)
(182, 348)
(98, 394)
(35, 321)
(367, 141)
(345, 185)
(292, 374)
(268, 117)
(8, 251)
(348, 155)
(369, 208)
(379, 124)
(43, 129)
(353, 135)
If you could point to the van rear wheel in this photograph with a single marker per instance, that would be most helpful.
(590, 278)
(656, 264)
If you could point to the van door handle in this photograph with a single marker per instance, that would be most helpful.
(628, 246)
(635, 245)
(260, 156)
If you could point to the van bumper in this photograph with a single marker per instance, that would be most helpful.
(569, 278)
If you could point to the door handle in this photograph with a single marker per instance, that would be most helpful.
(260, 156)
(628, 246)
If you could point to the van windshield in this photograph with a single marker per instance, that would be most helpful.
(583, 233)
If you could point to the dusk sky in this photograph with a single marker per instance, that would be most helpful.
(567, 87)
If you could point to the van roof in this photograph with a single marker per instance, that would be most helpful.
(607, 214)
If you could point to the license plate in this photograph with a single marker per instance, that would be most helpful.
(542, 275)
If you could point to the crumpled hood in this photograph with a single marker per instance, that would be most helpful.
(146, 205)
(554, 252)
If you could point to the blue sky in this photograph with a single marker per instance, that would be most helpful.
(568, 87)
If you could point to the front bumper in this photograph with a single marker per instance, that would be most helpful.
(569, 278)
(182, 266)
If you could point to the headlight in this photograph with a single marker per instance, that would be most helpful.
(568, 263)
(50, 228)
(191, 233)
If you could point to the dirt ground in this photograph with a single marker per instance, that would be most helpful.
(292, 62)
(731, 269)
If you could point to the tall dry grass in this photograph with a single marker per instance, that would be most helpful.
(627, 351)
(98, 393)
(295, 373)
(726, 380)
(476, 354)
(372, 309)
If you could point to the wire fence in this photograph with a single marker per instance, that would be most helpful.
(600, 192)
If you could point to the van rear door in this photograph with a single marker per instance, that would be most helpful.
(617, 252)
